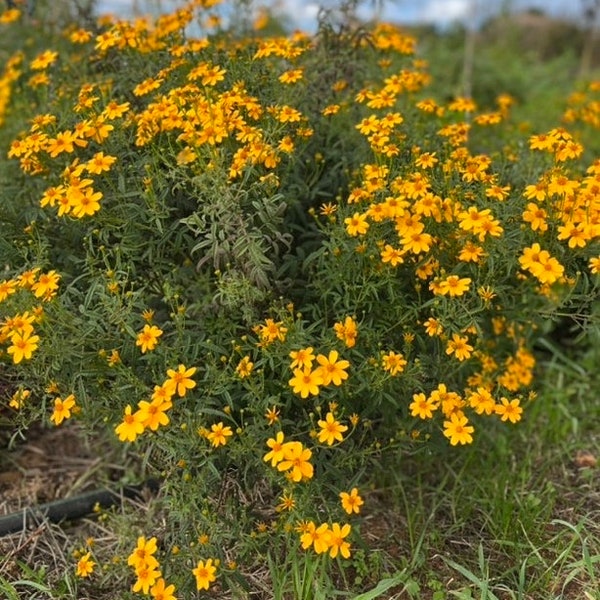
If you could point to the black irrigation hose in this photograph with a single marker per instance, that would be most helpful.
(69, 509)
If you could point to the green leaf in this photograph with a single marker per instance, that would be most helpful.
(383, 586)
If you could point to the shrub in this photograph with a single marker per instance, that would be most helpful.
(263, 263)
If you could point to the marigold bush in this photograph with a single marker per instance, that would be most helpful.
(263, 262)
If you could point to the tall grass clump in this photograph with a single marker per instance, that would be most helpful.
(266, 265)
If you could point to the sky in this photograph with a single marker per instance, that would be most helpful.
(302, 14)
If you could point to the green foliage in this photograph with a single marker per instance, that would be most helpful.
(270, 266)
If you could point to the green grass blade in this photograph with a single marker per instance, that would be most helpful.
(383, 586)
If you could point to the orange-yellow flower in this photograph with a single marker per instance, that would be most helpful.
(147, 339)
(393, 363)
(244, 367)
(317, 537)
(152, 414)
(161, 591)
(130, 427)
(218, 434)
(182, 379)
(62, 409)
(509, 410)
(347, 331)
(22, 346)
(275, 454)
(302, 358)
(331, 369)
(296, 460)
(458, 430)
(337, 543)
(422, 406)
(205, 574)
(459, 346)
(85, 565)
(143, 554)
(331, 430)
(351, 502)
(356, 225)
(453, 286)
(46, 284)
(306, 382)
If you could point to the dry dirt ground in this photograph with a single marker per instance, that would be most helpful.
(52, 464)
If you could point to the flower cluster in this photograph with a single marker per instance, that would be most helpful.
(18, 329)
(153, 414)
(147, 570)
(290, 457)
(325, 537)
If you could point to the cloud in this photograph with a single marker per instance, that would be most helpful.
(446, 11)
(301, 13)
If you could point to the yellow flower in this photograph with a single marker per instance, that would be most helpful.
(306, 382)
(99, 163)
(433, 327)
(146, 578)
(63, 142)
(205, 574)
(84, 203)
(244, 367)
(46, 284)
(18, 399)
(152, 414)
(62, 409)
(218, 434)
(331, 369)
(458, 430)
(271, 331)
(287, 502)
(548, 270)
(302, 358)
(181, 379)
(509, 410)
(536, 217)
(331, 430)
(296, 460)
(22, 346)
(131, 426)
(275, 455)
(356, 224)
(10, 16)
(347, 331)
(147, 339)
(422, 407)
(392, 255)
(453, 286)
(85, 565)
(470, 252)
(318, 537)
(291, 76)
(7, 287)
(351, 502)
(43, 60)
(143, 553)
(272, 415)
(337, 543)
(393, 363)
(481, 401)
(459, 346)
(159, 592)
